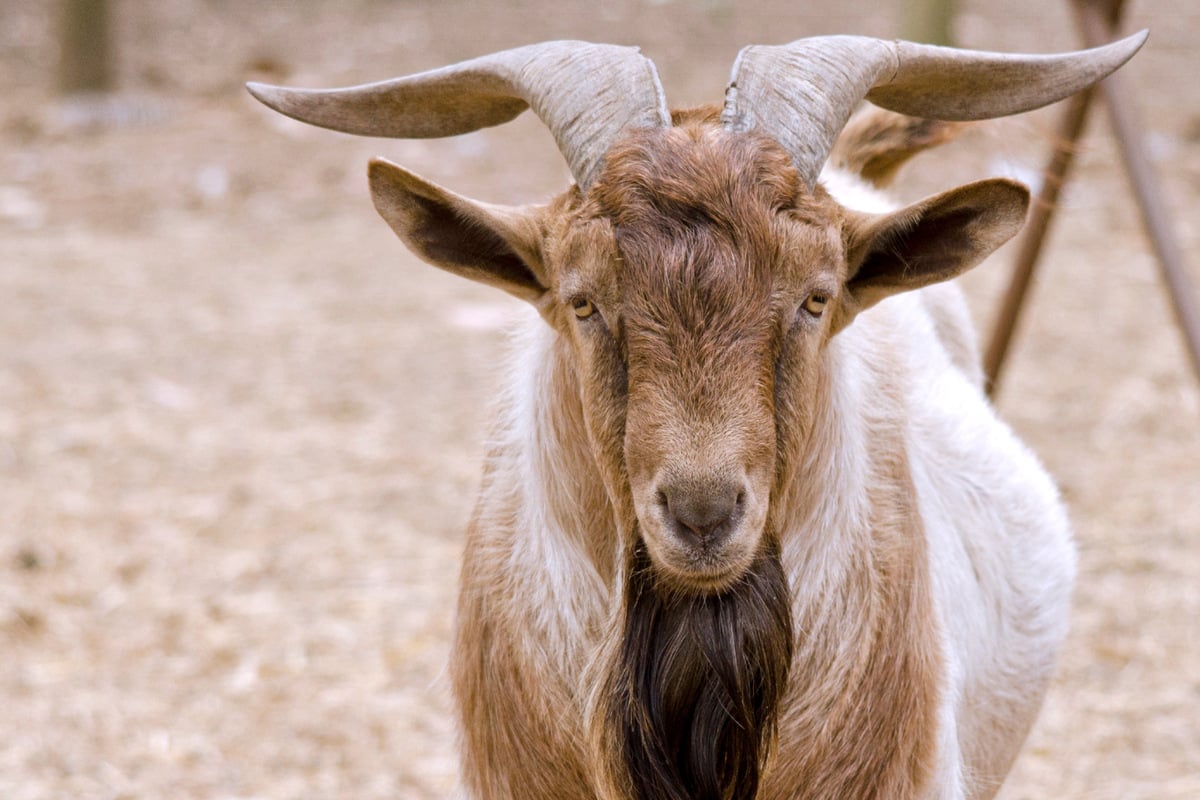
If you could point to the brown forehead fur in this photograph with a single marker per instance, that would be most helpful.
(710, 227)
(697, 174)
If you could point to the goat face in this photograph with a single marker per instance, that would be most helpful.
(698, 282)
(706, 276)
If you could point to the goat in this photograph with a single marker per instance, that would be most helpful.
(748, 527)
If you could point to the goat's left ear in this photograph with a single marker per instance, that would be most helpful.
(496, 245)
(931, 241)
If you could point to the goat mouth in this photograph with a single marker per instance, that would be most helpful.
(703, 575)
(696, 568)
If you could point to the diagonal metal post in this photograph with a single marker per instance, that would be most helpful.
(1097, 21)
(1029, 247)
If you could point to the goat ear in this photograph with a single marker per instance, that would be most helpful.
(496, 245)
(931, 241)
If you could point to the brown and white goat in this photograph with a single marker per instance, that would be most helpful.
(748, 527)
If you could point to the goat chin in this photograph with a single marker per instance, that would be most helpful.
(692, 698)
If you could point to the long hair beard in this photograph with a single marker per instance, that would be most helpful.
(692, 700)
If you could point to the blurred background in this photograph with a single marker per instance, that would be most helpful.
(240, 427)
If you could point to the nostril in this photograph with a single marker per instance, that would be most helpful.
(702, 514)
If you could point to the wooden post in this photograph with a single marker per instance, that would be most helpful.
(85, 61)
(1097, 28)
(928, 21)
(1066, 143)
(1098, 21)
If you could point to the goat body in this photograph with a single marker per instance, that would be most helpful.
(927, 561)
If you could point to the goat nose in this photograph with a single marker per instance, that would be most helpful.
(702, 515)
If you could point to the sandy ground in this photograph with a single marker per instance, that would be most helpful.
(240, 426)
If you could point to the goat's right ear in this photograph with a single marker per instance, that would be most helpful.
(496, 245)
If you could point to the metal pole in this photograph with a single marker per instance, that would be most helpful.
(1030, 246)
(85, 59)
(928, 21)
(1097, 21)
(1117, 99)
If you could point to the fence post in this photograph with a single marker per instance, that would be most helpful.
(928, 21)
(85, 54)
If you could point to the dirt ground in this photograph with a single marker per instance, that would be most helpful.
(240, 426)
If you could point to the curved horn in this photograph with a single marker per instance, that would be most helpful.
(802, 93)
(587, 94)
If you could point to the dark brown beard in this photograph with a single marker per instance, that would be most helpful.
(700, 676)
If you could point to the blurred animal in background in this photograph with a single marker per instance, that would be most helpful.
(748, 527)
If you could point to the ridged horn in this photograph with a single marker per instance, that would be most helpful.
(586, 94)
(802, 93)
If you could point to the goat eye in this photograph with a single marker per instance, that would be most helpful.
(815, 303)
(583, 307)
